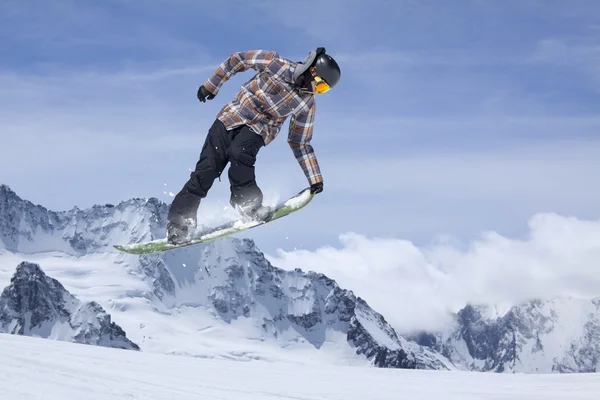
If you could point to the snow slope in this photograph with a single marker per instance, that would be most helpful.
(33, 368)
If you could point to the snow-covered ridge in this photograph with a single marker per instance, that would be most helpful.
(37, 305)
(29, 228)
(555, 335)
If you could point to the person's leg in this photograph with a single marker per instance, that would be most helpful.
(242, 153)
(213, 159)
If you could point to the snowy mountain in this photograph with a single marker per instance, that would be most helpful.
(236, 280)
(29, 228)
(557, 335)
(218, 300)
(37, 305)
(225, 300)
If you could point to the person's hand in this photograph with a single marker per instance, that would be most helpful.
(204, 94)
(316, 188)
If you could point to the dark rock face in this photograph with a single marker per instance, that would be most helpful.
(31, 298)
(35, 304)
(382, 357)
(154, 268)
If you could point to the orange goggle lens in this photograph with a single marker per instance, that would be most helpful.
(321, 86)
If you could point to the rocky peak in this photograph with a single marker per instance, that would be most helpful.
(34, 294)
(5, 191)
(35, 304)
(29, 271)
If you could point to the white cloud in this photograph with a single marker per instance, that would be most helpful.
(416, 287)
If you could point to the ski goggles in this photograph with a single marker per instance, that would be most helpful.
(320, 85)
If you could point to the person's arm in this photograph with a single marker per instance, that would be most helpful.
(300, 135)
(239, 62)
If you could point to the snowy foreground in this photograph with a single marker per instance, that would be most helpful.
(34, 368)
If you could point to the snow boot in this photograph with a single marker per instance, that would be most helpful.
(258, 214)
(180, 233)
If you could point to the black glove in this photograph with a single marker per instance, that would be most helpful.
(316, 188)
(204, 94)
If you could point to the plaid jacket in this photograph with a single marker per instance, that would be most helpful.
(265, 101)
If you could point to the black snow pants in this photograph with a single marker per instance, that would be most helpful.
(238, 146)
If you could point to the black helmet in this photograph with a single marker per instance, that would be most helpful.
(327, 68)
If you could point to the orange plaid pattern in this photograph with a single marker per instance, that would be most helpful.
(266, 100)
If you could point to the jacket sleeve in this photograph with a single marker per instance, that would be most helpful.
(239, 62)
(300, 135)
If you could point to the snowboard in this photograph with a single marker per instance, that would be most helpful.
(288, 207)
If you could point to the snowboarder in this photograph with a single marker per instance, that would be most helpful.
(280, 89)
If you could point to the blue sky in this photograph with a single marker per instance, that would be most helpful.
(451, 118)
